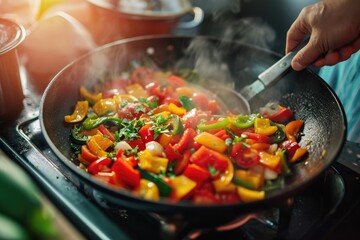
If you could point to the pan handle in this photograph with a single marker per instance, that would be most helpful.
(273, 73)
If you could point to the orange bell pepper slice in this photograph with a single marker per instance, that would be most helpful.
(299, 153)
(292, 129)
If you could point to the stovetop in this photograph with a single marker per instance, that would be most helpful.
(325, 210)
(329, 209)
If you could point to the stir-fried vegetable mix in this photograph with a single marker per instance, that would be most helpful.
(157, 136)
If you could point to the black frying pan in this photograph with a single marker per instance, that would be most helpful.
(223, 63)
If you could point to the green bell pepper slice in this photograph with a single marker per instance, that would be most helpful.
(245, 121)
(216, 125)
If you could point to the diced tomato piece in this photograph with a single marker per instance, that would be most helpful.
(100, 165)
(201, 100)
(290, 146)
(193, 117)
(146, 133)
(133, 110)
(137, 143)
(153, 89)
(244, 157)
(176, 81)
(214, 107)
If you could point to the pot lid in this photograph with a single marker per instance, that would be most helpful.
(11, 35)
(150, 8)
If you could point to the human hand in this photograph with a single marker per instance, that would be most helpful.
(334, 29)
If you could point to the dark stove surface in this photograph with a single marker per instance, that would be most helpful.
(323, 211)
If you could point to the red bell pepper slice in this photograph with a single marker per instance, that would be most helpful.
(106, 132)
(126, 173)
(186, 139)
(196, 173)
(222, 134)
(258, 137)
(205, 157)
(100, 165)
(244, 157)
(282, 116)
(171, 153)
(176, 81)
(182, 163)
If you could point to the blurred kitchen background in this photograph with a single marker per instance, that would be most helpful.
(59, 31)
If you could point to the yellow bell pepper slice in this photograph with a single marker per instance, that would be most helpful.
(182, 186)
(79, 113)
(249, 179)
(262, 126)
(104, 106)
(269, 160)
(247, 195)
(93, 98)
(152, 163)
(211, 141)
(223, 182)
(147, 190)
(176, 110)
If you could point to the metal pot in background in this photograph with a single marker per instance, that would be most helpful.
(118, 19)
